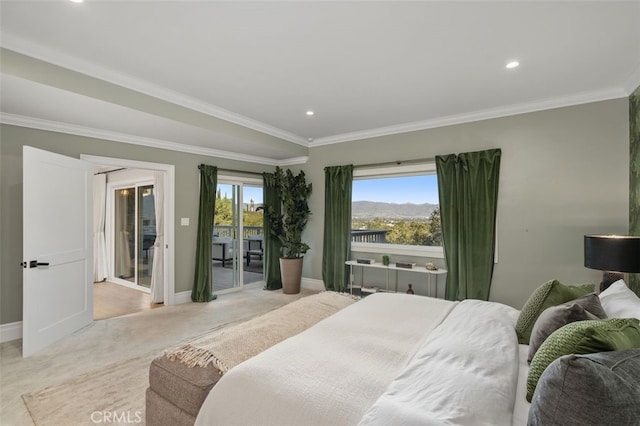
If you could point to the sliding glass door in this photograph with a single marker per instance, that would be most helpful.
(124, 234)
(132, 235)
(252, 221)
(146, 219)
(237, 235)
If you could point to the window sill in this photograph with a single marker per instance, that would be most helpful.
(403, 250)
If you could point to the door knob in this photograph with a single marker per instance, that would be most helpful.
(33, 264)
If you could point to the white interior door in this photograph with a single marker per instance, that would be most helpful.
(57, 247)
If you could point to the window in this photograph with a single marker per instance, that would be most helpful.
(395, 210)
(252, 208)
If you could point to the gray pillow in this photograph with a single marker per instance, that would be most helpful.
(595, 389)
(590, 302)
(587, 307)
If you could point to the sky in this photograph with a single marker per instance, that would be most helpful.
(253, 193)
(250, 192)
(399, 190)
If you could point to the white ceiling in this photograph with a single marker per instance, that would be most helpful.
(365, 68)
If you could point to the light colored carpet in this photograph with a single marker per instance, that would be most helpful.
(116, 391)
(120, 341)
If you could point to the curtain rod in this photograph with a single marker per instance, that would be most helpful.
(240, 171)
(235, 171)
(396, 162)
(109, 171)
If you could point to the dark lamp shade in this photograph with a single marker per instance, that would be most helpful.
(620, 253)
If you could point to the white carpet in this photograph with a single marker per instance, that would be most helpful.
(115, 392)
(120, 341)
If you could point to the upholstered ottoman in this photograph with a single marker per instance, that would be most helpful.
(176, 391)
(181, 378)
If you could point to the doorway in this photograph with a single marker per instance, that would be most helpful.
(123, 284)
(140, 179)
(237, 250)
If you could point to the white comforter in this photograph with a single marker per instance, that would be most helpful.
(388, 359)
(331, 373)
(465, 373)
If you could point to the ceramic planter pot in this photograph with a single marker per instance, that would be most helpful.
(291, 273)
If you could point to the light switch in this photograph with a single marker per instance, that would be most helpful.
(184, 221)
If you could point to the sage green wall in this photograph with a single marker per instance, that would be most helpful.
(13, 138)
(563, 174)
(634, 175)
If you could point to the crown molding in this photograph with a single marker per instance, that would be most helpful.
(72, 129)
(72, 63)
(487, 114)
(293, 161)
(27, 48)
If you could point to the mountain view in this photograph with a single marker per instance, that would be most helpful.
(372, 209)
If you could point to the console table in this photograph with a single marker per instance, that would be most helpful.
(393, 267)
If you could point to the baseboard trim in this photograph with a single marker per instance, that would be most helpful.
(182, 297)
(11, 331)
(312, 284)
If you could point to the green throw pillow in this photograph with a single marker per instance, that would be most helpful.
(551, 293)
(583, 337)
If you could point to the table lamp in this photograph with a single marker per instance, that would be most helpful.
(612, 254)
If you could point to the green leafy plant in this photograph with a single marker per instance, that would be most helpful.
(289, 225)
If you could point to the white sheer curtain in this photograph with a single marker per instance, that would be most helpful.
(157, 275)
(99, 213)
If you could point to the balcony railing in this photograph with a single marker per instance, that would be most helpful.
(228, 231)
(369, 235)
(357, 235)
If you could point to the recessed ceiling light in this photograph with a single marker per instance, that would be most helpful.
(76, 1)
(309, 112)
(512, 64)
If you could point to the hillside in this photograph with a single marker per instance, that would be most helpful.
(372, 209)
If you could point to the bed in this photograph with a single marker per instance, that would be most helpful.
(398, 359)
(388, 359)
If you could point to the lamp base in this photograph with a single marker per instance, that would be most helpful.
(609, 278)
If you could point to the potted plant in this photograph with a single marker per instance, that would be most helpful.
(289, 225)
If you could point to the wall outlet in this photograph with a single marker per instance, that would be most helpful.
(184, 221)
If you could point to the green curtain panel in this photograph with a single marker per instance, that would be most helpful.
(202, 280)
(272, 245)
(468, 191)
(634, 176)
(337, 226)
